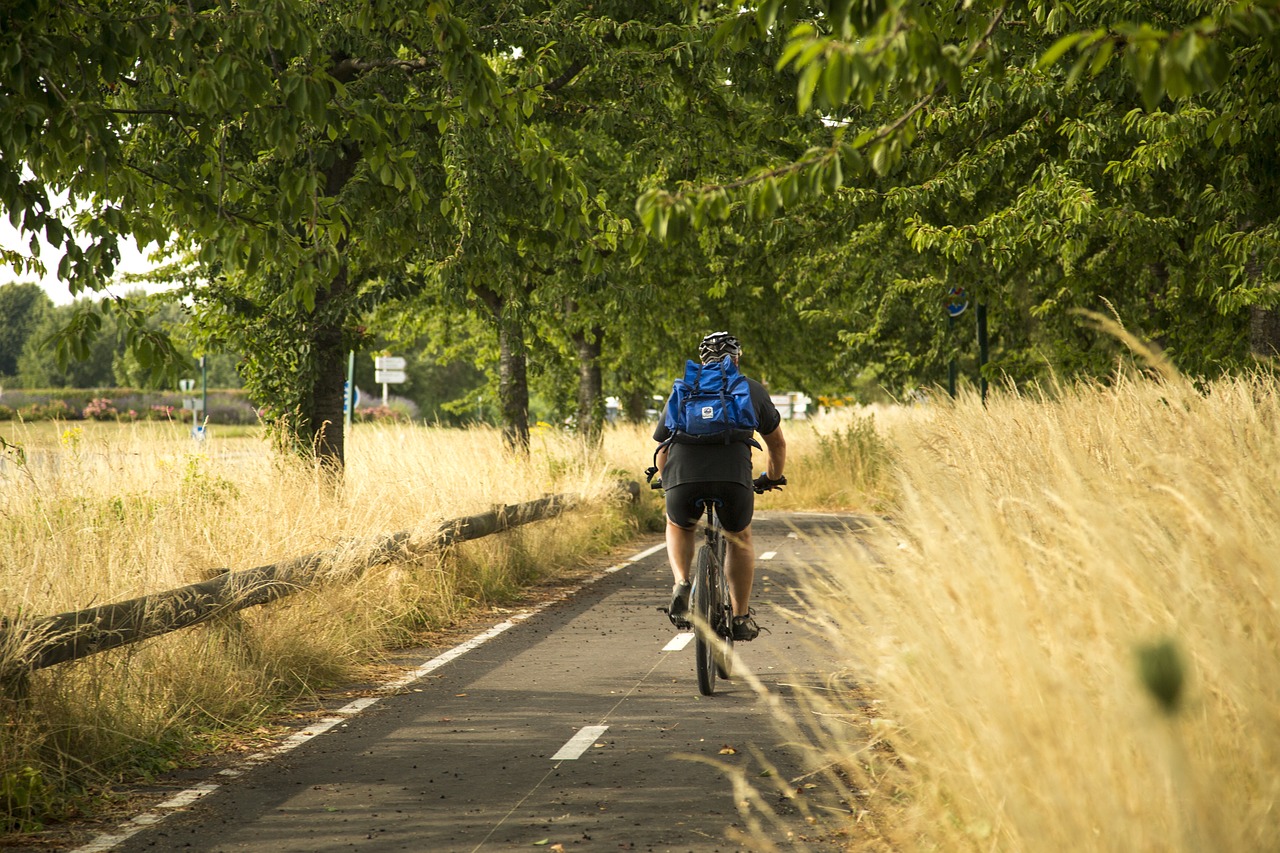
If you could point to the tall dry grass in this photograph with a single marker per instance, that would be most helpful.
(94, 513)
(1068, 637)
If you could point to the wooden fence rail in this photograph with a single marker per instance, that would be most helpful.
(27, 645)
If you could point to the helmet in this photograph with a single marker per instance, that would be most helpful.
(717, 345)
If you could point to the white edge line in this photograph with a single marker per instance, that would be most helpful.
(103, 843)
(358, 705)
(678, 642)
(189, 796)
(647, 552)
(768, 555)
(579, 743)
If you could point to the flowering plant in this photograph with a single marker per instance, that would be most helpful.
(100, 409)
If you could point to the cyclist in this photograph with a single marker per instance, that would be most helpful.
(720, 472)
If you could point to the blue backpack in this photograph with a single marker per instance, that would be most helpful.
(711, 404)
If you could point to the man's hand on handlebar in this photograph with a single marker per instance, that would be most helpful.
(653, 483)
(763, 484)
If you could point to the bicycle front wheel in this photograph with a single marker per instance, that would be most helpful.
(702, 607)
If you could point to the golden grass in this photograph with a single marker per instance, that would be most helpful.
(1042, 551)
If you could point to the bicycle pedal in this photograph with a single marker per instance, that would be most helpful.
(681, 624)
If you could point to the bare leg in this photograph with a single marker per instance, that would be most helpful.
(741, 557)
(680, 544)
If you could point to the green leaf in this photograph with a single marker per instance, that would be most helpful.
(1058, 49)
(1152, 87)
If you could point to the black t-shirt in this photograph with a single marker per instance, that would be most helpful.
(717, 463)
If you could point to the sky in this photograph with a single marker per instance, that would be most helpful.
(132, 260)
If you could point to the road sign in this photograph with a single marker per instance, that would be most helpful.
(389, 362)
(389, 377)
(186, 384)
(956, 301)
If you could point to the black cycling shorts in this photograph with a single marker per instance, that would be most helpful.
(737, 504)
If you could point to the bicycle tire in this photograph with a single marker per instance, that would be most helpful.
(723, 651)
(702, 609)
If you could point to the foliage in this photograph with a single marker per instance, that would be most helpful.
(1045, 156)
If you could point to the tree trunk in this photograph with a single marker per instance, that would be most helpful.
(1264, 332)
(637, 404)
(513, 383)
(513, 379)
(324, 422)
(328, 394)
(590, 384)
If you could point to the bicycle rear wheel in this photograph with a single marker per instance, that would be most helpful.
(702, 609)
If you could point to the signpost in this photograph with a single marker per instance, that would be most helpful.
(388, 370)
(955, 304)
(196, 405)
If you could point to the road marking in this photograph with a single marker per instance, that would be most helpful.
(188, 796)
(647, 552)
(456, 652)
(358, 705)
(768, 555)
(678, 642)
(579, 743)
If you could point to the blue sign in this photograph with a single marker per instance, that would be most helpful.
(956, 302)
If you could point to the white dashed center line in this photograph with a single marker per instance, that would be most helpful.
(768, 555)
(579, 743)
(678, 642)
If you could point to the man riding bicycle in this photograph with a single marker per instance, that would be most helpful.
(719, 472)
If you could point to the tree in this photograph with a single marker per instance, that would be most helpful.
(22, 307)
(38, 368)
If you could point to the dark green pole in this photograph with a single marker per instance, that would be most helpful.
(204, 387)
(351, 389)
(951, 368)
(982, 348)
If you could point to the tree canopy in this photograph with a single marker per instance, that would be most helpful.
(325, 176)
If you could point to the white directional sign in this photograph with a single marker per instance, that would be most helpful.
(389, 377)
(389, 362)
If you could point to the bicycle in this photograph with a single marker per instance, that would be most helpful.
(710, 604)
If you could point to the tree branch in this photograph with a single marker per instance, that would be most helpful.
(566, 78)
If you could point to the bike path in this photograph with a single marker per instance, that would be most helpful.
(478, 754)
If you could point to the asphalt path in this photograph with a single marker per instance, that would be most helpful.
(576, 727)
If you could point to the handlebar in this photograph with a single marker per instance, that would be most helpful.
(763, 484)
(760, 484)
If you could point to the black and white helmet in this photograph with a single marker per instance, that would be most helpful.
(717, 345)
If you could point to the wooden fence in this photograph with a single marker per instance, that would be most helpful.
(30, 644)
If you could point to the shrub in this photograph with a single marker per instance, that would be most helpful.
(240, 414)
(54, 410)
(100, 409)
(380, 414)
(6, 413)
